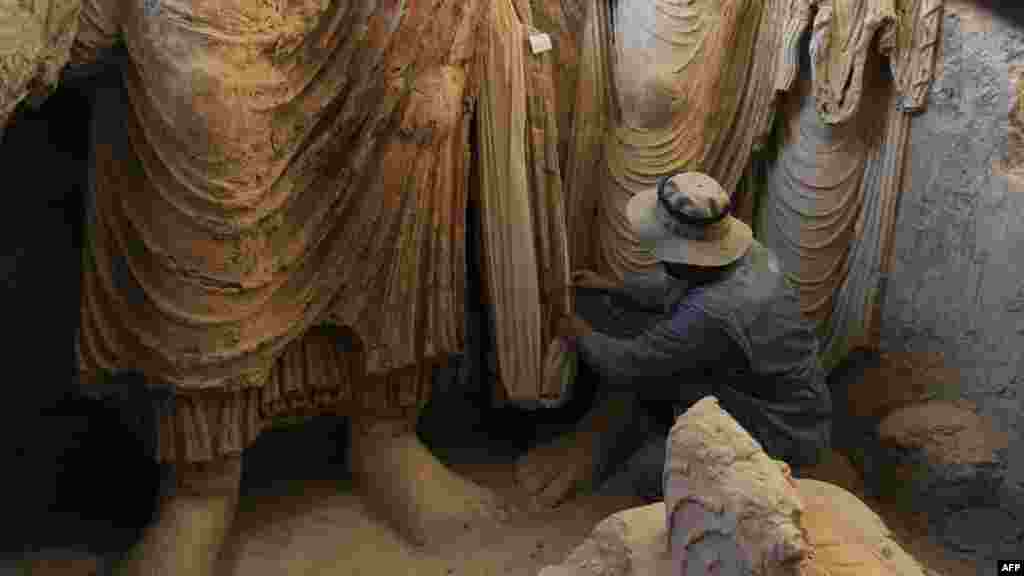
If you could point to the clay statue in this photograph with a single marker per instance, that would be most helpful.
(279, 190)
(668, 86)
(526, 253)
(276, 225)
(663, 87)
(277, 230)
(829, 204)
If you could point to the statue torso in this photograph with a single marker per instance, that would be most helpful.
(655, 43)
(205, 76)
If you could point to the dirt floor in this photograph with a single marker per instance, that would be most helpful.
(299, 515)
(320, 527)
(304, 519)
(324, 530)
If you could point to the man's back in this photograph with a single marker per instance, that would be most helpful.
(781, 387)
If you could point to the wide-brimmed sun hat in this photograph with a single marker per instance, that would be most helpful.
(685, 220)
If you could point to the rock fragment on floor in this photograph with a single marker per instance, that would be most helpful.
(730, 509)
(846, 538)
(896, 379)
(949, 433)
(945, 453)
(947, 460)
(728, 502)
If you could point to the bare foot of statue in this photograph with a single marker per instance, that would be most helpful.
(423, 500)
(193, 525)
(552, 473)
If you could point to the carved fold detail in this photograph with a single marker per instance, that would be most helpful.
(913, 48)
(263, 172)
(593, 110)
(563, 21)
(321, 373)
(694, 88)
(799, 18)
(523, 216)
(843, 34)
(816, 193)
(832, 194)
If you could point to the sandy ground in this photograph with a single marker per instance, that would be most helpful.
(321, 527)
(300, 517)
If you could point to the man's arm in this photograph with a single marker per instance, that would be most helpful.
(690, 341)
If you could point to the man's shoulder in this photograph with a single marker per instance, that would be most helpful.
(757, 280)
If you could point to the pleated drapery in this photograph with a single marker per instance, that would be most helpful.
(267, 169)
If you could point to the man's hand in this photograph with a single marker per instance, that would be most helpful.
(592, 280)
(573, 326)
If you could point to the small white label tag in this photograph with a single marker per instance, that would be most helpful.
(540, 43)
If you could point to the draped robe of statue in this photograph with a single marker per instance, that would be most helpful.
(665, 87)
(266, 172)
(669, 86)
(234, 226)
(829, 205)
(280, 195)
(276, 227)
(523, 224)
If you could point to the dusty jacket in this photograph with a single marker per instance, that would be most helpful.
(741, 338)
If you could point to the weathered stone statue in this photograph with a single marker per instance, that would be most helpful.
(670, 86)
(731, 509)
(667, 87)
(278, 193)
(830, 198)
(275, 228)
(662, 87)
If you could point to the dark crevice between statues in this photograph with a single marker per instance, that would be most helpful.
(461, 422)
(84, 478)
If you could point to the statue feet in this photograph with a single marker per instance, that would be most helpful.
(192, 526)
(424, 500)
